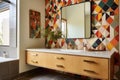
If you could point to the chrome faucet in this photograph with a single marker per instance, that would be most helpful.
(5, 54)
(84, 46)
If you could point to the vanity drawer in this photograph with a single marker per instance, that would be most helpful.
(95, 67)
(73, 64)
(55, 61)
(36, 58)
(32, 58)
(89, 66)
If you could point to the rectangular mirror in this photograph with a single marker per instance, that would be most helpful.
(76, 20)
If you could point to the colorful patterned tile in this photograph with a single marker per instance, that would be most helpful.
(98, 9)
(104, 22)
(109, 46)
(105, 31)
(110, 2)
(98, 34)
(98, 24)
(109, 20)
(105, 1)
(116, 11)
(116, 1)
(114, 6)
(102, 4)
(79, 44)
(117, 29)
(99, 17)
(105, 8)
(114, 42)
(96, 43)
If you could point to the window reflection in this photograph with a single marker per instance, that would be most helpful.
(63, 28)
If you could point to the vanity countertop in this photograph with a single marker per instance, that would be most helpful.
(103, 54)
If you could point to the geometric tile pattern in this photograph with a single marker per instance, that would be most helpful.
(105, 24)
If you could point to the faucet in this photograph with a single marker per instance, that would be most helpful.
(5, 54)
(84, 46)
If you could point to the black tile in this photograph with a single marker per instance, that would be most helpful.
(114, 6)
(59, 1)
(94, 45)
(112, 13)
(55, 7)
(105, 8)
(107, 16)
(98, 41)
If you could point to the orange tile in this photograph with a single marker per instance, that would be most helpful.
(116, 1)
(109, 46)
(98, 9)
(114, 42)
(98, 34)
(116, 11)
(109, 20)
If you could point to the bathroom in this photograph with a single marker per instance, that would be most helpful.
(102, 34)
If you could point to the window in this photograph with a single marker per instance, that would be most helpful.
(64, 26)
(4, 26)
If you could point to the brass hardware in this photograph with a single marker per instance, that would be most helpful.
(60, 66)
(60, 58)
(34, 61)
(90, 71)
(34, 54)
(88, 61)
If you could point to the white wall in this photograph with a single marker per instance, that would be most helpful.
(24, 41)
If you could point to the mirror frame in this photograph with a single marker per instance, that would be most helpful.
(85, 21)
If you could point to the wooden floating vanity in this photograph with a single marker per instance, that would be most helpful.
(93, 64)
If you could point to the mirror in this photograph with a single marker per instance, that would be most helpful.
(76, 20)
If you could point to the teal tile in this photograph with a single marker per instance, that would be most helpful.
(101, 4)
(94, 45)
(110, 3)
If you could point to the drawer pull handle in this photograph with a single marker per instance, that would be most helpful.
(90, 71)
(34, 54)
(60, 66)
(88, 61)
(60, 58)
(34, 61)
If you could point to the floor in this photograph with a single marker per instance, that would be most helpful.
(48, 75)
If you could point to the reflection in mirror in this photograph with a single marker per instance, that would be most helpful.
(4, 25)
(76, 21)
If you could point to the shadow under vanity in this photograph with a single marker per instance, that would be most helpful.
(86, 63)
